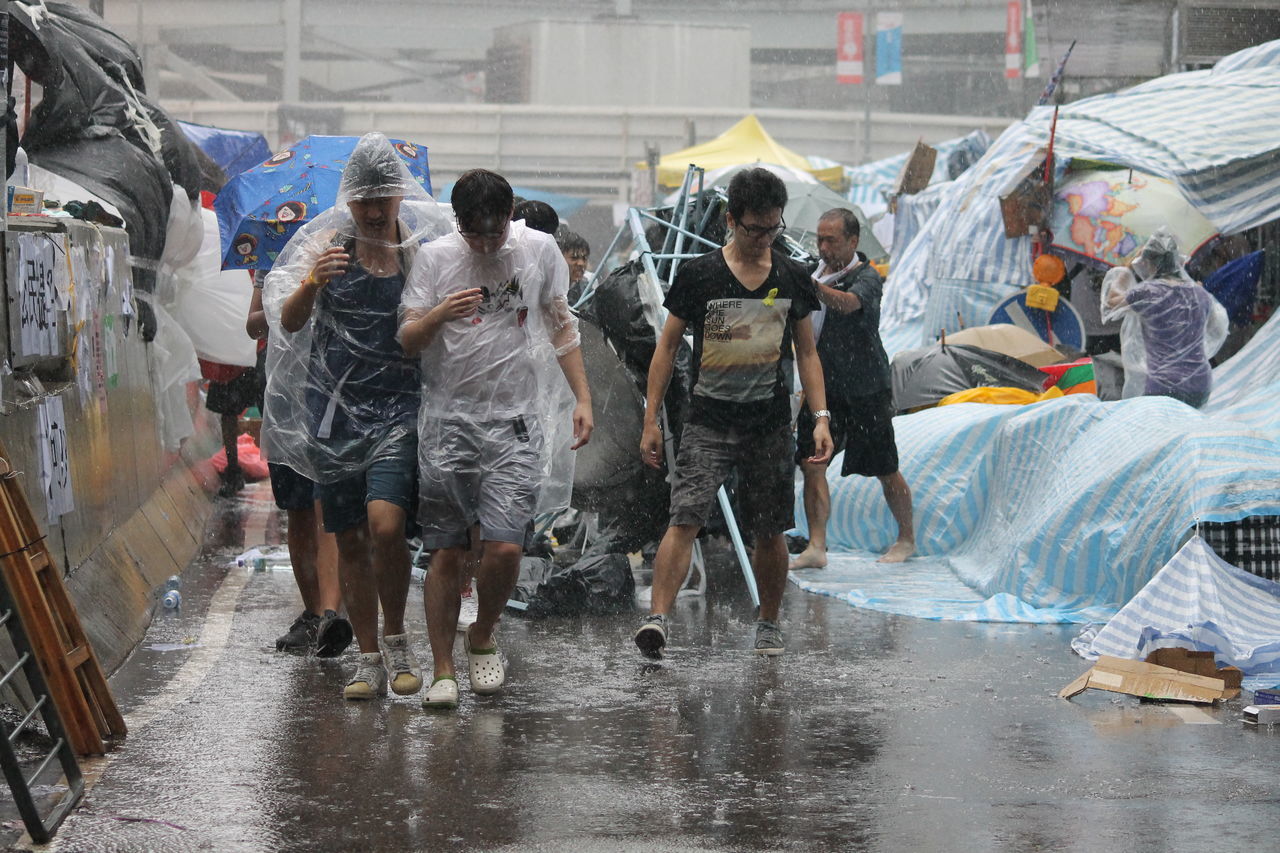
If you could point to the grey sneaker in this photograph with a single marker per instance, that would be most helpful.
(652, 635)
(402, 665)
(769, 639)
(370, 680)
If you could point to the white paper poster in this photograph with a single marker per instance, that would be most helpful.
(37, 296)
(55, 466)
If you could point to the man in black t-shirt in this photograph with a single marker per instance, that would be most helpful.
(746, 305)
(859, 390)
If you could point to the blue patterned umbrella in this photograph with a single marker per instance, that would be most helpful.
(261, 208)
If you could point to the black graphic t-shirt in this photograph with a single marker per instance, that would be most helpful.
(740, 337)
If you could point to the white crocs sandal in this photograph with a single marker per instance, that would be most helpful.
(442, 695)
(485, 668)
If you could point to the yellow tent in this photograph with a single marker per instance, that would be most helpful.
(746, 142)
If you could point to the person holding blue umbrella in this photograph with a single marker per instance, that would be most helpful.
(342, 396)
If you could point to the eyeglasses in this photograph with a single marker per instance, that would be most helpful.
(481, 235)
(764, 230)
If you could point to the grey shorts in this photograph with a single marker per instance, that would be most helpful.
(487, 472)
(766, 477)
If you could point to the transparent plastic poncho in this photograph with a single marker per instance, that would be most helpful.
(496, 375)
(340, 391)
(1170, 325)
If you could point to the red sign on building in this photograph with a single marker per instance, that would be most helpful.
(1013, 40)
(849, 47)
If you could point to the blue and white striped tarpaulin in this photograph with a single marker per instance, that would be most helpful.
(1196, 601)
(1058, 511)
(1211, 132)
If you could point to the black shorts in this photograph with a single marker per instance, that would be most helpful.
(863, 429)
(232, 398)
(292, 490)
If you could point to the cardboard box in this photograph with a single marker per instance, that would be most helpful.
(1025, 202)
(26, 200)
(1267, 696)
(1147, 681)
(1198, 663)
(1262, 715)
(1185, 660)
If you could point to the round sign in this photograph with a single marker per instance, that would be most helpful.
(1059, 326)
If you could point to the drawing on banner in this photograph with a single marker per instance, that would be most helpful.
(55, 463)
(37, 299)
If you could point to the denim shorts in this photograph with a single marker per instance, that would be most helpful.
(766, 477)
(391, 477)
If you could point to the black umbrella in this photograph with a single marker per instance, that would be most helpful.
(922, 377)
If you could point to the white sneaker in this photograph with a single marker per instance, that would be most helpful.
(402, 665)
(370, 680)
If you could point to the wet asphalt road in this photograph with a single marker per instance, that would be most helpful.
(873, 732)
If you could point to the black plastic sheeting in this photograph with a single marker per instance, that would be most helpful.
(598, 585)
(922, 377)
(631, 500)
(86, 127)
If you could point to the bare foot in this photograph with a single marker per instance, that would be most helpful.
(899, 552)
(809, 559)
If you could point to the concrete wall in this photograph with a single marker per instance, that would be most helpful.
(139, 511)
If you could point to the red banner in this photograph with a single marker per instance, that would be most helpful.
(1013, 40)
(849, 47)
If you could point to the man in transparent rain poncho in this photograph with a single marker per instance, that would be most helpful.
(1171, 324)
(487, 308)
(342, 396)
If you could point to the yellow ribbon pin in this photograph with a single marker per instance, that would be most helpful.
(768, 300)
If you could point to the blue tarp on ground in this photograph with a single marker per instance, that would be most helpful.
(1059, 511)
(1196, 601)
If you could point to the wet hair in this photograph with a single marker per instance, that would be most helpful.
(573, 242)
(538, 215)
(479, 195)
(756, 190)
(848, 221)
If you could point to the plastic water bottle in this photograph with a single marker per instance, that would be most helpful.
(173, 582)
(172, 600)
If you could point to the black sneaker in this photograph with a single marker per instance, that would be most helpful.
(301, 635)
(333, 635)
(652, 635)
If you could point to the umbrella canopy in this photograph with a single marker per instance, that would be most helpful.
(1106, 216)
(747, 142)
(233, 150)
(805, 205)
(564, 205)
(262, 207)
(922, 377)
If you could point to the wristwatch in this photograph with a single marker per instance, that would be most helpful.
(822, 413)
